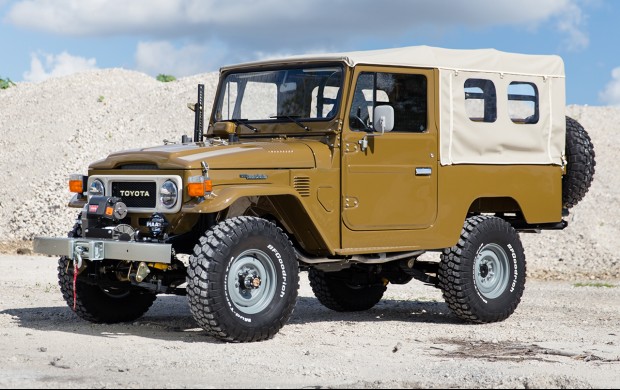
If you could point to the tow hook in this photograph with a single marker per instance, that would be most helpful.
(142, 272)
(79, 252)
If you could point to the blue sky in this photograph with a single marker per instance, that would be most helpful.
(47, 38)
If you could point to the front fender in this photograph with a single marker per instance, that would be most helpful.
(220, 199)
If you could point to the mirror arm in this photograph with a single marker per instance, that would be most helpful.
(382, 124)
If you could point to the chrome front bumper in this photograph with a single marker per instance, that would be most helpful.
(99, 249)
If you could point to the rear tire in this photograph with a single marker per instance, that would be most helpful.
(340, 291)
(580, 163)
(483, 277)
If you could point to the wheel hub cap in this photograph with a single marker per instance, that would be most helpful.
(491, 271)
(252, 281)
(484, 270)
(249, 281)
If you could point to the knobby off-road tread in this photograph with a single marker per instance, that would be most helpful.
(580, 159)
(207, 299)
(92, 303)
(336, 295)
(321, 290)
(456, 269)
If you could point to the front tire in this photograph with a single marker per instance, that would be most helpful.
(483, 277)
(243, 280)
(94, 304)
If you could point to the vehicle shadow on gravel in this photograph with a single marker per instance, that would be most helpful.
(170, 318)
(310, 310)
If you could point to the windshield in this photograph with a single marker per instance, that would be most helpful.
(297, 93)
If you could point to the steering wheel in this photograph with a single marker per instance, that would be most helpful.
(364, 123)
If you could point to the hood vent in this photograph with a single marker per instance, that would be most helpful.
(302, 185)
(137, 167)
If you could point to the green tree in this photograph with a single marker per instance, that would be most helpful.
(165, 78)
(6, 83)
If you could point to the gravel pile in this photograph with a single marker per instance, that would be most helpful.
(52, 129)
(55, 128)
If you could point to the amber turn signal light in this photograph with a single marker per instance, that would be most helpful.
(76, 183)
(198, 186)
(208, 185)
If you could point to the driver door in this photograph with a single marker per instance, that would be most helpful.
(389, 180)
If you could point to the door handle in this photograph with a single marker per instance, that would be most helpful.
(423, 171)
(363, 143)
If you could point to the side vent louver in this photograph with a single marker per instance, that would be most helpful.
(302, 185)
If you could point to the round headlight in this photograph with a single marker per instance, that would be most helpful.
(168, 194)
(96, 188)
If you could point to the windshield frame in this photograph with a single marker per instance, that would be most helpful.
(221, 93)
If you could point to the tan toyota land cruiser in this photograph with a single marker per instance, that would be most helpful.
(348, 166)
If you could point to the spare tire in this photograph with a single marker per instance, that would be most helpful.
(580, 164)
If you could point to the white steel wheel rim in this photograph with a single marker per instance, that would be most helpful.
(491, 271)
(250, 266)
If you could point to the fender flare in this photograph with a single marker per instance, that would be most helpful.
(225, 197)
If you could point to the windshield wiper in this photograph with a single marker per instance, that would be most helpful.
(292, 119)
(245, 123)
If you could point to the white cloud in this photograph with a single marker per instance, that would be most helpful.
(121, 16)
(224, 31)
(611, 94)
(99, 17)
(571, 23)
(310, 25)
(162, 57)
(51, 65)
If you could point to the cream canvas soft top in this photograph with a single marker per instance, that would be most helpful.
(467, 140)
(483, 60)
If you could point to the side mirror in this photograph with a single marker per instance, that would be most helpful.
(383, 118)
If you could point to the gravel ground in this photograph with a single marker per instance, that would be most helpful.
(561, 336)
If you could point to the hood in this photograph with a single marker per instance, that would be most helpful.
(254, 155)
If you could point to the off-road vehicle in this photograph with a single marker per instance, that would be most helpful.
(349, 166)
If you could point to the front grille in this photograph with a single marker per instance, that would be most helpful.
(136, 194)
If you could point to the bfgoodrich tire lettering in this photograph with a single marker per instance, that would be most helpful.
(243, 280)
(483, 277)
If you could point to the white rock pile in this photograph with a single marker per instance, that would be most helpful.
(55, 128)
